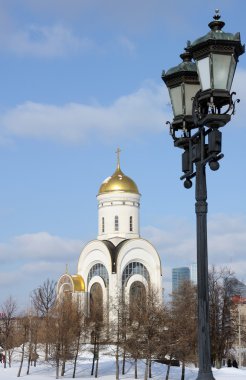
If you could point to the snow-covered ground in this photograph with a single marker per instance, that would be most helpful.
(44, 371)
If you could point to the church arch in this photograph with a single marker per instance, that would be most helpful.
(140, 250)
(94, 252)
(133, 268)
(100, 270)
(65, 284)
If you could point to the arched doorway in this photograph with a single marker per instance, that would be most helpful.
(137, 298)
(96, 302)
(137, 293)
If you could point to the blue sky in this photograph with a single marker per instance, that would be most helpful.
(80, 78)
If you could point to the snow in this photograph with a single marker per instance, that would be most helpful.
(44, 371)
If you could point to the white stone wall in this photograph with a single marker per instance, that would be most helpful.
(121, 204)
(140, 250)
(134, 250)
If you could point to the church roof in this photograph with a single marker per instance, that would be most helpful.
(118, 182)
(78, 282)
(72, 283)
(114, 250)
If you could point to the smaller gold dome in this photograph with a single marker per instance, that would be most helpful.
(78, 282)
(118, 182)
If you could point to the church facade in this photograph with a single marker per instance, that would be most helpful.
(119, 261)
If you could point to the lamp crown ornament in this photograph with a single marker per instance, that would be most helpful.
(186, 56)
(216, 40)
(216, 25)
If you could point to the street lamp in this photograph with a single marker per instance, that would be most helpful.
(202, 104)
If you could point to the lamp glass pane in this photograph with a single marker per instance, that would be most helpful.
(232, 72)
(190, 92)
(203, 66)
(176, 99)
(221, 70)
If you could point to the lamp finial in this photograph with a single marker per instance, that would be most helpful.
(217, 14)
(216, 24)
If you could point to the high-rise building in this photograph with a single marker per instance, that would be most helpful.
(193, 273)
(179, 275)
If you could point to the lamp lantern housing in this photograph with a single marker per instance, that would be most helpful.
(183, 84)
(216, 55)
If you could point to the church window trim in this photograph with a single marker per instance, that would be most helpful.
(98, 270)
(103, 224)
(131, 224)
(132, 268)
(116, 223)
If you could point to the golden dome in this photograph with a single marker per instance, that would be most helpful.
(78, 282)
(118, 182)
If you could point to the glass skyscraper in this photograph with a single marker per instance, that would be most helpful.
(179, 275)
(193, 273)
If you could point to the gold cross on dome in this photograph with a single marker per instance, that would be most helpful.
(118, 151)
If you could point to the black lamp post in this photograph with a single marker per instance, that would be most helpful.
(202, 103)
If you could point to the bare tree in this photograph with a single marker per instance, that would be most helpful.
(24, 326)
(8, 325)
(184, 323)
(80, 331)
(67, 328)
(167, 338)
(66, 324)
(43, 299)
(34, 333)
(98, 324)
(144, 324)
(117, 331)
(223, 314)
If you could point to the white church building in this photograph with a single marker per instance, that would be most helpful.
(119, 260)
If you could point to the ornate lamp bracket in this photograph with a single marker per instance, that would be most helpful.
(213, 108)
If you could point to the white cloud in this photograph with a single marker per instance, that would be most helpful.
(144, 110)
(39, 246)
(46, 41)
(28, 260)
(21, 281)
(176, 244)
(175, 240)
(75, 123)
(227, 238)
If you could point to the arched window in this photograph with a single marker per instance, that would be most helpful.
(134, 268)
(116, 223)
(131, 228)
(99, 270)
(103, 225)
